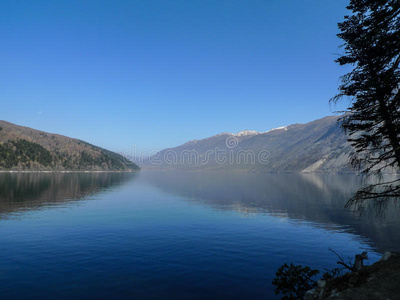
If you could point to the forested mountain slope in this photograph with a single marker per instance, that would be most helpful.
(23, 148)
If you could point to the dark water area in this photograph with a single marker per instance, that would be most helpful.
(164, 235)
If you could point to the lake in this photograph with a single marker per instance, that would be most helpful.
(165, 235)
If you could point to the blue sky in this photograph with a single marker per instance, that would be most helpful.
(156, 74)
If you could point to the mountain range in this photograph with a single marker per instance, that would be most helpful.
(24, 148)
(319, 146)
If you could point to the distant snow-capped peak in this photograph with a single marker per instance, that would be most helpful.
(253, 132)
(278, 128)
(247, 133)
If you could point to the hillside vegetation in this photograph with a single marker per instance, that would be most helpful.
(23, 148)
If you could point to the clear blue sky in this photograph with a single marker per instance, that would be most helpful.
(159, 73)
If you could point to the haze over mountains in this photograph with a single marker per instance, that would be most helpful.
(24, 148)
(319, 146)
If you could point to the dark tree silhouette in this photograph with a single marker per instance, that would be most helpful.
(371, 36)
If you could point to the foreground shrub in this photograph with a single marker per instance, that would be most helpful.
(294, 281)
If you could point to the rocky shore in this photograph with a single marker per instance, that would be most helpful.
(380, 281)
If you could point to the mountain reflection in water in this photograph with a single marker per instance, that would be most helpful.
(31, 190)
(319, 199)
(164, 235)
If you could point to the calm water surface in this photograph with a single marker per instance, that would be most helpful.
(167, 235)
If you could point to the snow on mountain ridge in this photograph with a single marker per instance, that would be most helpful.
(277, 128)
(240, 133)
(246, 133)
(253, 132)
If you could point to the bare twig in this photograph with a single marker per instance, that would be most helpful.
(341, 262)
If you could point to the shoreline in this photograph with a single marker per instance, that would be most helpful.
(376, 281)
(64, 171)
